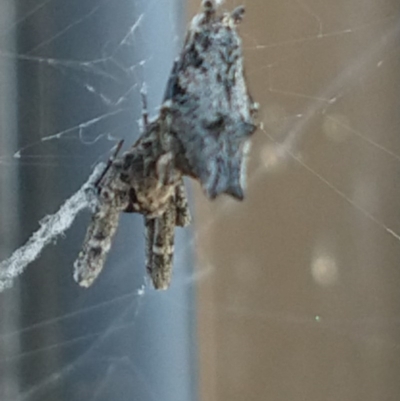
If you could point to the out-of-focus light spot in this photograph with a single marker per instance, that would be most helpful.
(272, 157)
(317, 318)
(335, 127)
(324, 270)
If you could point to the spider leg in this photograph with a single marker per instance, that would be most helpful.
(150, 225)
(113, 198)
(172, 83)
(183, 217)
(209, 7)
(145, 113)
(160, 247)
(96, 245)
(109, 163)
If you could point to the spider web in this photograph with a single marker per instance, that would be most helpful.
(80, 69)
(297, 285)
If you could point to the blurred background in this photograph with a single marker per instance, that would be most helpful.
(290, 295)
(299, 297)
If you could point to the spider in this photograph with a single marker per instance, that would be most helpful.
(202, 131)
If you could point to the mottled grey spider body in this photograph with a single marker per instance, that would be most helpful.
(211, 111)
(202, 131)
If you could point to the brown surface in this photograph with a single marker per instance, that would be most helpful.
(299, 286)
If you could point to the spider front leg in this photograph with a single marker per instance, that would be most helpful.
(109, 163)
(112, 199)
(96, 245)
(160, 246)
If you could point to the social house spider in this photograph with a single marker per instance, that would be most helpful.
(202, 131)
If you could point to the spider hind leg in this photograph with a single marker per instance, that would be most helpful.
(160, 247)
(183, 217)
